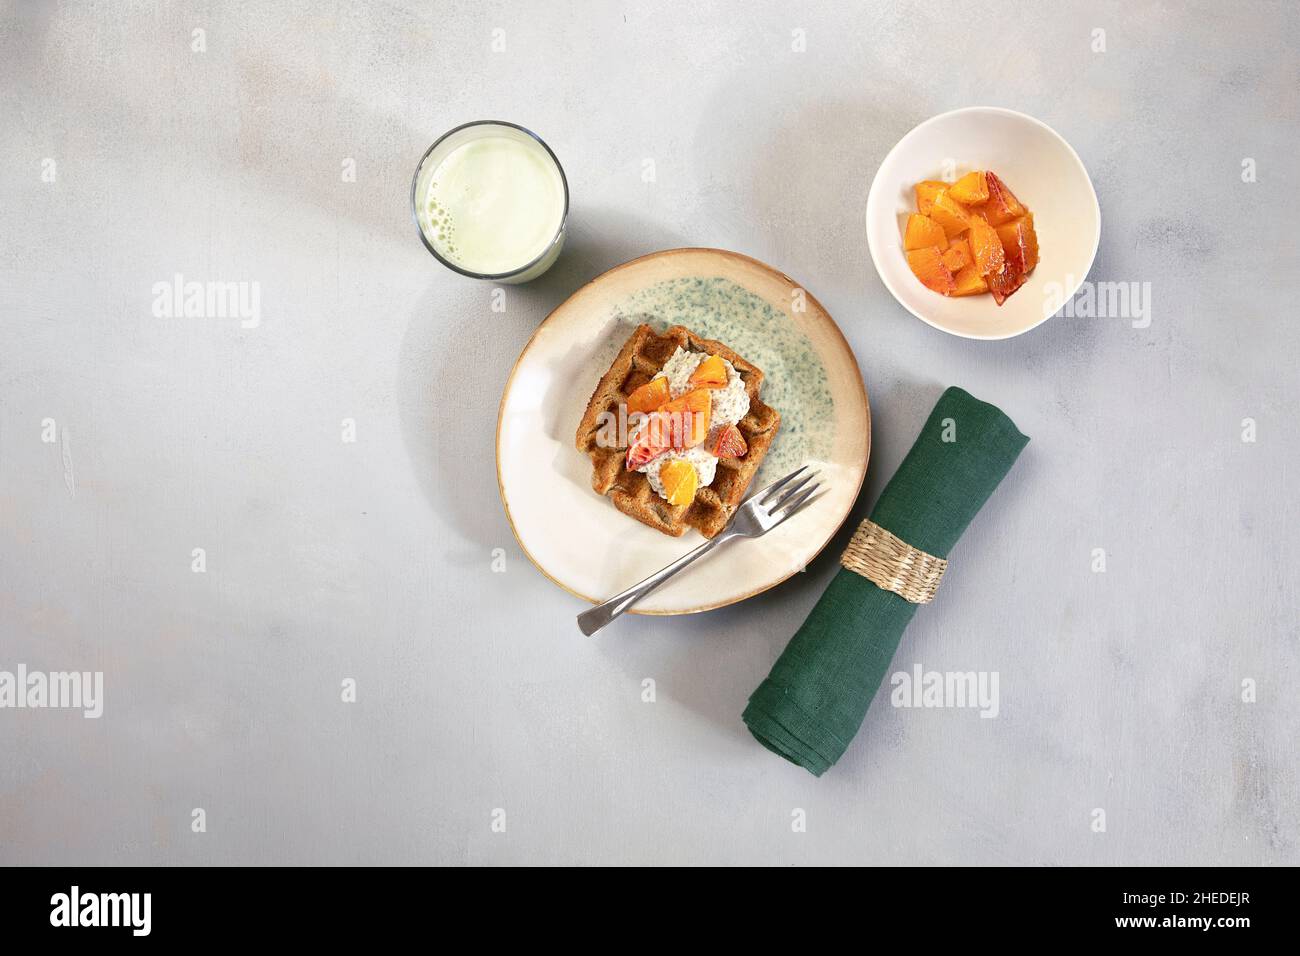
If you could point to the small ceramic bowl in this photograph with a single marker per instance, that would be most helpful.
(1037, 165)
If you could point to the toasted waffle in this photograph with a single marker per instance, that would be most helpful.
(641, 358)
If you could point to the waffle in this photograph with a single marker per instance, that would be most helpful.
(641, 358)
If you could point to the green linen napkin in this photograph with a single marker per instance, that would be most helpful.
(819, 690)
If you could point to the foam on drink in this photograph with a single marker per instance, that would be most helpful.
(493, 204)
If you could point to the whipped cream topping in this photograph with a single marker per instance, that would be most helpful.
(730, 404)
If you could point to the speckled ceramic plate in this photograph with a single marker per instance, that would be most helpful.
(578, 538)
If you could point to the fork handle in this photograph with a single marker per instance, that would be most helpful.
(593, 620)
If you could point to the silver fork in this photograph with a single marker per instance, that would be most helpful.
(760, 514)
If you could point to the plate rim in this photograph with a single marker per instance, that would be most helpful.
(875, 261)
(663, 253)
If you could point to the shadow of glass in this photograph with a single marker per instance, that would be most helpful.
(454, 367)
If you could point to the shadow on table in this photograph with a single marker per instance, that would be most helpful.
(454, 366)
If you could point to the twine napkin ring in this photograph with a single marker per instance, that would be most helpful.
(890, 563)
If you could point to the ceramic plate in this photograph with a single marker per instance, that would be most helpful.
(1037, 165)
(578, 538)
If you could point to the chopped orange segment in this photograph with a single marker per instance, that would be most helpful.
(925, 193)
(1020, 243)
(680, 479)
(949, 213)
(969, 281)
(1005, 282)
(711, 373)
(985, 247)
(730, 443)
(971, 188)
(1014, 238)
(957, 255)
(649, 396)
(927, 265)
(688, 418)
(1031, 243)
(923, 231)
(653, 438)
(1002, 205)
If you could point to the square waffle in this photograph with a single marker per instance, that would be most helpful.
(641, 358)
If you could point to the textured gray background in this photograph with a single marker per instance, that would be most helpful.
(371, 560)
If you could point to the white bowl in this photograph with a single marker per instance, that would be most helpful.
(1044, 173)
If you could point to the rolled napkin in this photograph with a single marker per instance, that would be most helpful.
(817, 695)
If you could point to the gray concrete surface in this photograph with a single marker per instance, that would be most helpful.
(130, 156)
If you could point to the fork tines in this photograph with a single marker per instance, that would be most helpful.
(781, 499)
